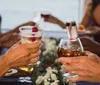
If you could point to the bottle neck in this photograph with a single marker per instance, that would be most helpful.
(72, 30)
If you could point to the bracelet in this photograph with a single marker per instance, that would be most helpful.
(81, 27)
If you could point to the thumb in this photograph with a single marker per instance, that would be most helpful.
(92, 56)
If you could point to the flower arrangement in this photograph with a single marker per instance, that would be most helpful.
(49, 71)
(51, 75)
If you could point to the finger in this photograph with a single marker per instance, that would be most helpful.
(64, 69)
(78, 78)
(34, 55)
(93, 56)
(65, 60)
(34, 50)
(87, 52)
(90, 54)
(69, 60)
(70, 68)
(32, 61)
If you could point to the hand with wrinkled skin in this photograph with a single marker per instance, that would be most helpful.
(86, 67)
(19, 55)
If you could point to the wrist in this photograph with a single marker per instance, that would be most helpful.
(4, 67)
(5, 62)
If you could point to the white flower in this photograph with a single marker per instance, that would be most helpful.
(46, 76)
(50, 45)
(46, 83)
(45, 80)
(49, 70)
(49, 79)
(53, 77)
(39, 80)
(54, 70)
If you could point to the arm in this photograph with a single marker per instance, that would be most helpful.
(3, 66)
(93, 29)
(11, 37)
(1, 36)
(91, 45)
(87, 15)
(16, 29)
(55, 20)
(61, 24)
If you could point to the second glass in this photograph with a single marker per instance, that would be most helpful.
(70, 48)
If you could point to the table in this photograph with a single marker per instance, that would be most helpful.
(20, 78)
(14, 83)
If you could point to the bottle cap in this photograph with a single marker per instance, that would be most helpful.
(73, 23)
(67, 24)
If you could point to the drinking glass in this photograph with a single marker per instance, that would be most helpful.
(70, 48)
(45, 15)
(28, 35)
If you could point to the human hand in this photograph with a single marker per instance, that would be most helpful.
(93, 29)
(22, 54)
(9, 39)
(90, 45)
(86, 67)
